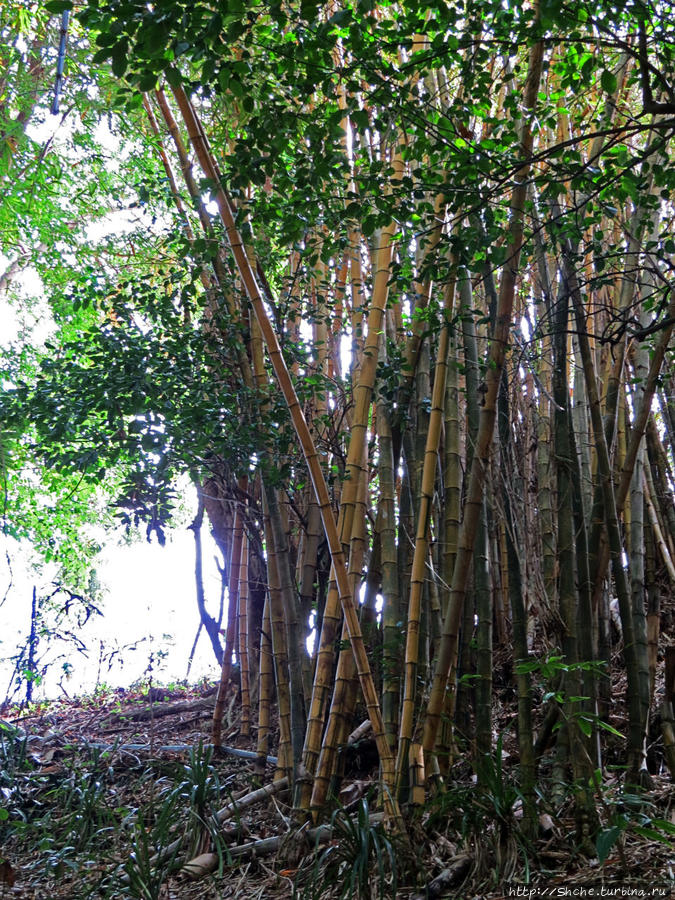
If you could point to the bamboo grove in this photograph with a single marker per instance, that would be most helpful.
(406, 323)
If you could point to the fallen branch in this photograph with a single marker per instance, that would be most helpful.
(157, 710)
(200, 866)
(448, 878)
(227, 812)
(179, 748)
(257, 796)
(322, 834)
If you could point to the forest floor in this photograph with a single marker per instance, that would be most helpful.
(93, 788)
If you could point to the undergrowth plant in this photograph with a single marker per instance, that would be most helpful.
(83, 797)
(630, 814)
(485, 814)
(15, 769)
(144, 873)
(198, 789)
(147, 866)
(359, 862)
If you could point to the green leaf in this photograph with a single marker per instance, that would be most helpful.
(147, 81)
(606, 840)
(664, 825)
(608, 81)
(173, 76)
(101, 55)
(119, 59)
(585, 725)
(236, 87)
(652, 835)
(607, 727)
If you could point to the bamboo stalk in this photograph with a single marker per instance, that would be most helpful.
(279, 649)
(304, 436)
(342, 703)
(391, 645)
(232, 612)
(421, 538)
(500, 338)
(265, 688)
(245, 727)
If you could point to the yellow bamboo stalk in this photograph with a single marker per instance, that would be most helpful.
(355, 466)
(253, 292)
(448, 648)
(245, 727)
(168, 168)
(420, 555)
(207, 227)
(265, 689)
(341, 710)
(232, 606)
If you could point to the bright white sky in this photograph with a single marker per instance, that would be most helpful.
(149, 601)
(150, 590)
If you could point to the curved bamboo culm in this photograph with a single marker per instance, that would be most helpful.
(249, 280)
(499, 342)
(207, 228)
(188, 178)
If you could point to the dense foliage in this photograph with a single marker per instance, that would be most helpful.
(425, 250)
